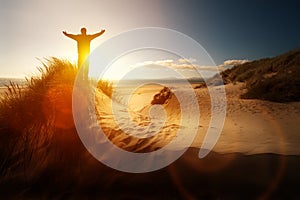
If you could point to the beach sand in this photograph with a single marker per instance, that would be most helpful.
(251, 126)
(255, 126)
(256, 156)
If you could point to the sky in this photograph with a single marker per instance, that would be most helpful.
(31, 30)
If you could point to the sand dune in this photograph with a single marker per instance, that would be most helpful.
(251, 126)
(256, 126)
(260, 128)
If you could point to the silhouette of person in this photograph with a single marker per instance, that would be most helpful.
(83, 46)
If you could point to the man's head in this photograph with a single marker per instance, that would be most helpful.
(83, 31)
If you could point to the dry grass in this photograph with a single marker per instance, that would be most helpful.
(106, 87)
(31, 116)
(38, 138)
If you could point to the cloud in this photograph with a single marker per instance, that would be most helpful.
(234, 62)
(153, 63)
(179, 64)
(186, 64)
(211, 68)
(187, 60)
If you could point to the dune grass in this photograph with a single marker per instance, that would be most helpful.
(29, 117)
(38, 138)
(37, 132)
(106, 87)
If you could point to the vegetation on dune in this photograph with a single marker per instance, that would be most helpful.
(274, 79)
(106, 87)
(36, 127)
(39, 145)
(40, 150)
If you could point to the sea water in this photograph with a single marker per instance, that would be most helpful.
(6, 81)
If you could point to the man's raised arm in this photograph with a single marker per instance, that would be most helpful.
(98, 34)
(69, 35)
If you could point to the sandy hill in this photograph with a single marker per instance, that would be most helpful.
(274, 79)
(42, 156)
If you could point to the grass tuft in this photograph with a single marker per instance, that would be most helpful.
(30, 118)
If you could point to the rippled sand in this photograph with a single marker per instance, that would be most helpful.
(251, 126)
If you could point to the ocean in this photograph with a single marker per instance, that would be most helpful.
(6, 81)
